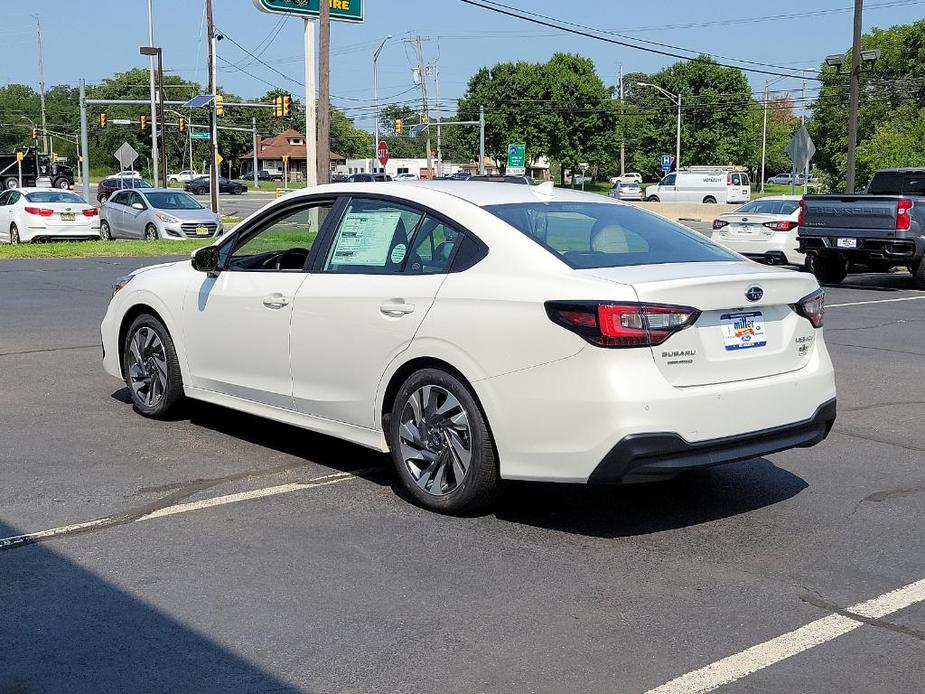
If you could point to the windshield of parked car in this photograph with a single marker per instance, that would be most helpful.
(55, 196)
(594, 235)
(896, 183)
(173, 201)
(126, 182)
(769, 207)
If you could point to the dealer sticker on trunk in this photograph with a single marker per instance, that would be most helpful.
(743, 330)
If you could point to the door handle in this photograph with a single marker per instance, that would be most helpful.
(396, 310)
(275, 301)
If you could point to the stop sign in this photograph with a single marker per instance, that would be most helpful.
(382, 152)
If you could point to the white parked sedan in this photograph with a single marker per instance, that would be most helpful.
(764, 230)
(46, 214)
(484, 332)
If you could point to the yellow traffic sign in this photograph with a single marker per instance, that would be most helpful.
(20, 156)
(219, 158)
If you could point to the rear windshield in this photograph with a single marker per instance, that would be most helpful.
(55, 196)
(173, 201)
(897, 183)
(594, 235)
(770, 207)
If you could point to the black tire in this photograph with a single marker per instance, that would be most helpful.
(62, 184)
(709, 200)
(9, 183)
(164, 398)
(151, 233)
(102, 199)
(105, 231)
(480, 482)
(830, 270)
(14, 235)
(918, 275)
(652, 198)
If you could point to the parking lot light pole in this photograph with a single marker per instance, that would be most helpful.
(676, 99)
(376, 88)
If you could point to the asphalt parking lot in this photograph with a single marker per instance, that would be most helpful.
(220, 552)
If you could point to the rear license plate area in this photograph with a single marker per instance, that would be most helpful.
(847, 243)
(68, 216)
(743, 330)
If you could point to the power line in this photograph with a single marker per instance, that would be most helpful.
(537, 19)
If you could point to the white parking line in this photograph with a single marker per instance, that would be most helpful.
(877, 301)
(112, 520)
(749, 661)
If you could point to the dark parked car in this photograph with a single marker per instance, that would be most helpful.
(200, 186)
(369, 178)
(110, 185)
(264, 175)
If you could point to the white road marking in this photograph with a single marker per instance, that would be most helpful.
(877, 301)
(763, 655)
(182, 508)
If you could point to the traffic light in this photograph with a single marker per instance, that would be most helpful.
(35, 133)
(143, 121)
(278, 106)
(104, 120)
(181, 124)
(219, 105)
(398, 126)
(287, 105)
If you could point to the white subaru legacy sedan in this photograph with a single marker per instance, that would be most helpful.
(481, 332)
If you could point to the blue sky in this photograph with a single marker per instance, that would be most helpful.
(94, 39)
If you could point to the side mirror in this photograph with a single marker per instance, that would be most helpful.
(138, 206)
(205, 259)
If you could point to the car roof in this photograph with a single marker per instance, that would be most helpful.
(39, 189)
(778, 197)
(479, 193)
(908, 169)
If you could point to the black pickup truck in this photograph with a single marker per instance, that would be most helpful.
(881, 228)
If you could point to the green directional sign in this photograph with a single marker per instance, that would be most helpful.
(516, 159)
(344, 10)
(199, 134)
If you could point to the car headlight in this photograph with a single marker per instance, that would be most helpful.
(120, 283)
(166, 218)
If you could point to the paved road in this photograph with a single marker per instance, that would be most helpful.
(240, 555)
(240, 205)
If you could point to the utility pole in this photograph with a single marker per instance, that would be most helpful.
(376, 90)
(161, 117)
(256, 153)
(622, 128)
(482, 140)
(154, 114)
(425, 112)
(764, 136)
(84, 143)
(439, 118)
(213, 122)
(855, 89)
(324, 93)
(38, 43)
(311, 128)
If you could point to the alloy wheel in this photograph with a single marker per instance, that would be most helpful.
(14, 235)
(147, 367)
(436, 441)
(150, 233)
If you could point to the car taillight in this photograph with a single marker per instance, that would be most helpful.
(719, 223)
(621, 325)
(903, 215)
(40, 211)
(91, 212)
(802, 213)
(812, 307)
(780, 226)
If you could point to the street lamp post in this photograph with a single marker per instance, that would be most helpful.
(676, 99)
(376, 89)
(154, 119)
(157, 113)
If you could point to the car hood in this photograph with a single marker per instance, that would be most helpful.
(158, 266)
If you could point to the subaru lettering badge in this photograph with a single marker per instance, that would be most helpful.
(754, 293)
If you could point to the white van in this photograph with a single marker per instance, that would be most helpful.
(702, 184)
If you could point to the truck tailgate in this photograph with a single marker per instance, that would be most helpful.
(855, 214)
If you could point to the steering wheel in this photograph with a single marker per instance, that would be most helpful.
(290, 259)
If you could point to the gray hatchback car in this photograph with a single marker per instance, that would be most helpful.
(156, 213)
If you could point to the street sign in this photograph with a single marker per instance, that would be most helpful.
(382, 152)
(516, 159)
(344, 10)
(121, 121)
(126, 155)
(219, 158)
(199, 134)
(665, 161)
(801, 149)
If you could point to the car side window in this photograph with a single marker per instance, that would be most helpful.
(372, 238)
(4, 198)
(284, 243)
(433, 247)
(668, 180)
(118, 198)
(14, 197)
(736, 180)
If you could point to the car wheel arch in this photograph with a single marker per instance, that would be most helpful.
(142, 307)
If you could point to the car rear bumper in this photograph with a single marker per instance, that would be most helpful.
(867, 249)
(71, 232)
(644, 457)
(774, 251)
(558, 421)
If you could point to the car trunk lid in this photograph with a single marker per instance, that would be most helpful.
(735, 337)
(855, 214)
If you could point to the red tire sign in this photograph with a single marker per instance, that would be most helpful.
(382, 152)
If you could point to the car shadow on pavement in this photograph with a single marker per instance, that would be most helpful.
(66, 629)
(640, 509)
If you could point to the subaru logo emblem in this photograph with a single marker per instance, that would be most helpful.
(754, 293)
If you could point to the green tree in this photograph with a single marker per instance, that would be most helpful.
(896, 80)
